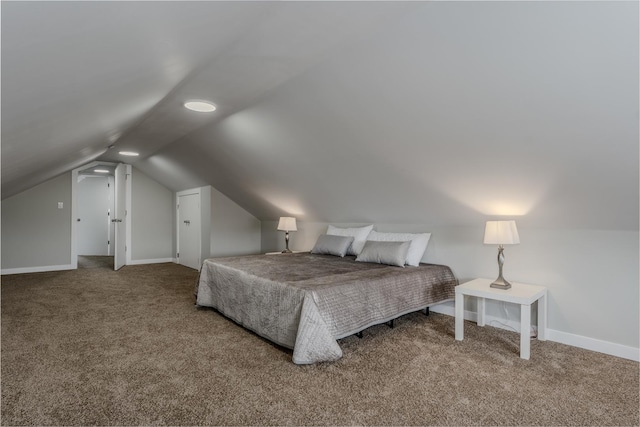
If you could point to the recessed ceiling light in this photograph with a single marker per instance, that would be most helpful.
(129, 153)
(200, 106)
(101, 170)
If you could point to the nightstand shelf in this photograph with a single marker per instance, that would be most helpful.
(519, 293)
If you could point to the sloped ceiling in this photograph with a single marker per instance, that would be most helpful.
(433, 113)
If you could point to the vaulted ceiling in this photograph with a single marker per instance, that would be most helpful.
(418, 112)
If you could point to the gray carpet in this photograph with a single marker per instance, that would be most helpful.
(98, 347)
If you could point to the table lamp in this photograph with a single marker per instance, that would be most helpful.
(287, 224)
(501, 233)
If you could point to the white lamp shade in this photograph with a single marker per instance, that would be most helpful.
(501, 233)
(287, 223)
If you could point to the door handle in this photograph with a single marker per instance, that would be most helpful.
(116, 220)
(186, 221)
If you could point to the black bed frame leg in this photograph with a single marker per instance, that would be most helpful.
(426, 311)
(390, 323)
(358, 334)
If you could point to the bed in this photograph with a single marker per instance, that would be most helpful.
(306, 302)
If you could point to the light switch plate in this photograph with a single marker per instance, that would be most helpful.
(60, 205)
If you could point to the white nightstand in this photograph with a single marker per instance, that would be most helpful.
(525, 295)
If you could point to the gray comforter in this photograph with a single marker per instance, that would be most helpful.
(306, 302)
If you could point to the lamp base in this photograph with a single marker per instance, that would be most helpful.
(500, 283)
(286, 242)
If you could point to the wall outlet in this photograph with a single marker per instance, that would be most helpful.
(60, 205)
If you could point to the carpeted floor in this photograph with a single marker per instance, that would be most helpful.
(98, 347)
(95, 262)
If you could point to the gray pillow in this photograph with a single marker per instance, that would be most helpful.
(332, 245)
(391, 253)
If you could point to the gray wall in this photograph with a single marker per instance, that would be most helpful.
(35, 233)
(592, 275)
(152, 219)
(234, 231)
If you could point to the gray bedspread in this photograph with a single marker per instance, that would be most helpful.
(306, 302)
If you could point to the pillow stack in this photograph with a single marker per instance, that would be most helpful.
(397, 249)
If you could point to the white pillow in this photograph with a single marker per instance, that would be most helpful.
(359, 236)
(419, 242)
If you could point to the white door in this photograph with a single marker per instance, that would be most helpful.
(112, 211)
(93, 215)
(189, 230)
(119, 219)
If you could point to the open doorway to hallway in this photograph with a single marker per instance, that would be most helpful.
(95, 198)
(111, 205)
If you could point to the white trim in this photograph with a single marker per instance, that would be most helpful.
(587, 343)
(450, 311)
(41, 269)
(74, 210)
(594, 344)
(150, 261)
(127, 206)
(46, 268)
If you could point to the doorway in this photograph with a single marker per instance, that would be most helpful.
(95, 204)
(94, 215)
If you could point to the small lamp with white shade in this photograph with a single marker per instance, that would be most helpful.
(501, 233)
(287, 224)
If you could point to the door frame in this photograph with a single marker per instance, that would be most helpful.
(74, 213)
(127, 217)
(195, 192)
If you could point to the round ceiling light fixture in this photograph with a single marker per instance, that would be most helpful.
(200, 106)
(129, 153)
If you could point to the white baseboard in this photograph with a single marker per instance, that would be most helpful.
(150, 261)
(594, 344)
(41, 269)
(579, 341)
(45, 268)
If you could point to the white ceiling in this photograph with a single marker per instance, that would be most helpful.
(431, 113)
